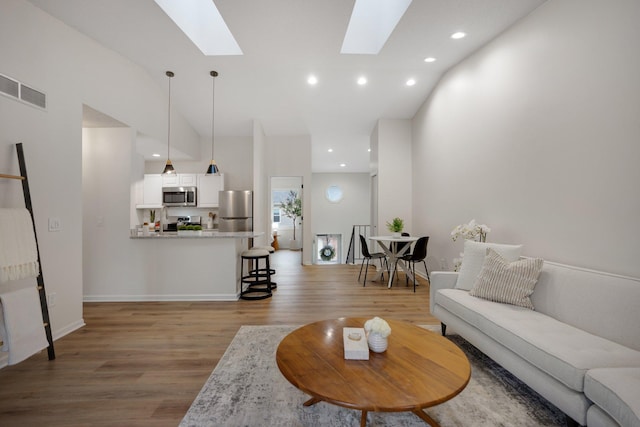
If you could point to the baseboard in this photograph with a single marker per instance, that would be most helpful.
(59, 333)
(156, 298)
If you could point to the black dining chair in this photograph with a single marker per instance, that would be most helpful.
(400, 245)
(419, 254)
(367, 256)
(397, 247)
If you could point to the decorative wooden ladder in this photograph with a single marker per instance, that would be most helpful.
(41, 290)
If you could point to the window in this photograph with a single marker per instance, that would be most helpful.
(277, 197)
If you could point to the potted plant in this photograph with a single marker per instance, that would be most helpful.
(292, 208)
(189, 230)
(152, 220)
(471, 231)
(395, 226)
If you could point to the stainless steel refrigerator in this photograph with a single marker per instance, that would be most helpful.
(235, 211)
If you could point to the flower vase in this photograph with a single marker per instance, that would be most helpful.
(377, 343)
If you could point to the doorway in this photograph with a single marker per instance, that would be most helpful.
(285, 213)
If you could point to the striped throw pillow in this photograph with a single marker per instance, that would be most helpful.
(508, 282)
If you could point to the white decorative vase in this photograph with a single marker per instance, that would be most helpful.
(395, 234)
(377, 343)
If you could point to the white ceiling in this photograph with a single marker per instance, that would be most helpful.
(283, 41)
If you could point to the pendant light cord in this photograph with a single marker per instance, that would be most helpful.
(214, 74)
(170, 74)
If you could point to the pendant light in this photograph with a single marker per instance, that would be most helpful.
(168, 168)
(213, 167)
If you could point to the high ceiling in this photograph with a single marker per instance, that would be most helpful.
(283, 42)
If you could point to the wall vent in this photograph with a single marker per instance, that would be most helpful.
(9, 87)
(33, 96)
(21, 92)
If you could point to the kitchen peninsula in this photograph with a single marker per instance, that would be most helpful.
(203, 267)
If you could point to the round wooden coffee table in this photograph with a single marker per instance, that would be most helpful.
(419, 369)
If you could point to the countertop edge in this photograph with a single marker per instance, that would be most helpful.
(204, 235)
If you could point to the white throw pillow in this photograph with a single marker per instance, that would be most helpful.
(474, 253)
(507, 282)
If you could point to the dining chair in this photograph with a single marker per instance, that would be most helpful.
(400, 245)
(396, 248)
(367, 256)
(419, 254)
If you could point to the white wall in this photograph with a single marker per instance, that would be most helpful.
(291, 156)
(261, 210)
(391, 147)
(108, 254)
(233, 155)
(536, 135)
(340, 217)
(71, 69)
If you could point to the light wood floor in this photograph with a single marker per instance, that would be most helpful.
(142, 364)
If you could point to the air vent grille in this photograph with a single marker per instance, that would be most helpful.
(8, 86)
(22, 92)
(33, 96)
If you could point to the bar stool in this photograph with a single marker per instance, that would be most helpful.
(272, 271)
(258, 280)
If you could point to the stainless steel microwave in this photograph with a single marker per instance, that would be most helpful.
(179, 196)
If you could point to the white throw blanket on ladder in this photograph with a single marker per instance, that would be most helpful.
(23, 324)
(21, 311)
(18, 250)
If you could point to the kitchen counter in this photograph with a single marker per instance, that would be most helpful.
(206, 234)
(204, 267)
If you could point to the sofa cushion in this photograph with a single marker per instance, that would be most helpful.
(617, 392)
(596, 417)
(508, 282)
(474, 253)
(603, 304)
(563, 351)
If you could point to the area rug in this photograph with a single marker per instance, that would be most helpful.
(247, 389)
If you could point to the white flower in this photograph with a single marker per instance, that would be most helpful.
(470, 231)
(378, 326)
(457, 262)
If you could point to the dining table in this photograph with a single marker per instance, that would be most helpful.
(394, 253)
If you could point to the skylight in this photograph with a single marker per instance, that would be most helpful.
(203, 24)
(371, 24)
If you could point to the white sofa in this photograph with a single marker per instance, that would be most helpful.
(579, 348)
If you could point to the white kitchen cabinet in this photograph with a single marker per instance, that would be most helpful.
(169, 180)
(180, 180)
(208, 187)
(151, 196)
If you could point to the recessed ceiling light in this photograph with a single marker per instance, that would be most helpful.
(155, 155)
(371, 24)
(312, 80)
(458, 35)
(201, 21)
(411, 82)
(369, 150)
(342, 165)
(330, 150)
(362, 81)
(430, 59)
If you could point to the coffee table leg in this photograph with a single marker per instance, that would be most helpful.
(423, 415)
(311, 401)
(363, 420)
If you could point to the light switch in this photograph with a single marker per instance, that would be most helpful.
(55, 224)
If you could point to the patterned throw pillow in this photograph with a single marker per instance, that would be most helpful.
(509, 282)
